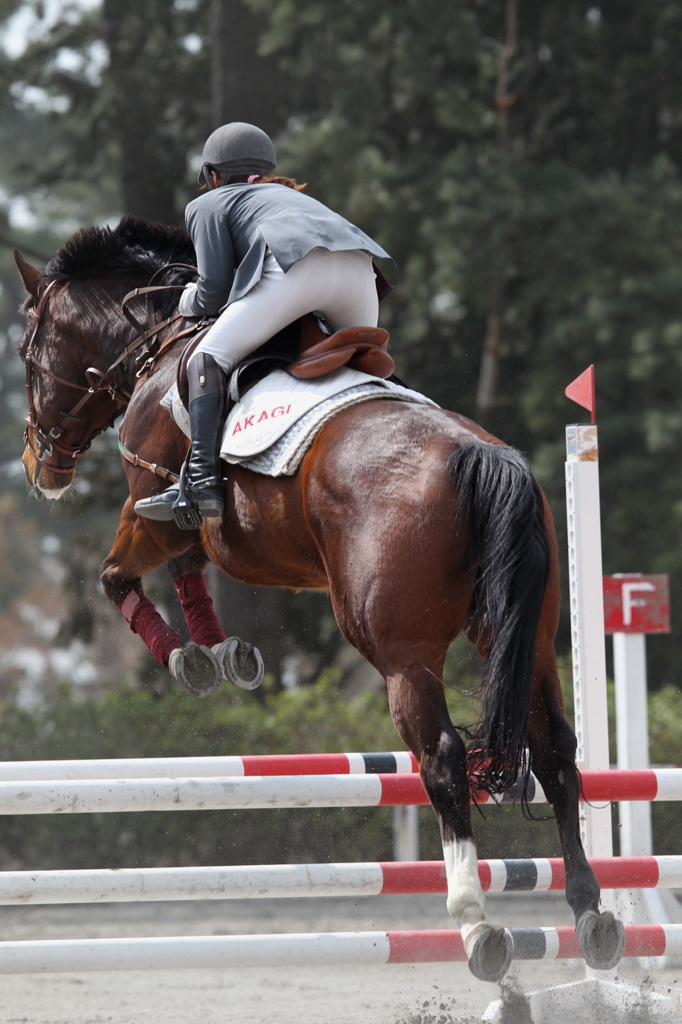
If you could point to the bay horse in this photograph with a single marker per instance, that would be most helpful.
(418, 522)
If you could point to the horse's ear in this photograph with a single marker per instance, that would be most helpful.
(30, 275)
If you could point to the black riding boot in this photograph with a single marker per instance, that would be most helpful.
(206, 406)
(204, 485)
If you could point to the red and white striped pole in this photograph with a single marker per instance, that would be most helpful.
(326, 948)
(319, 881)
(107, 796)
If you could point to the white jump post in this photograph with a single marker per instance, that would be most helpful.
(634, 606)
(587, 610)
(589, 659)
(406, 833)
(632, 712)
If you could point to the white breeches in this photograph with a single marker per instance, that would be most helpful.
(340, 285)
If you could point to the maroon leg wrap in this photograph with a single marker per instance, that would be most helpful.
(143, 619)
(197, 607)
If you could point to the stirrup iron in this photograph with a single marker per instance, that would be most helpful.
(185, 514)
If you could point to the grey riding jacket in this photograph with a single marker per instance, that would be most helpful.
(232, 226)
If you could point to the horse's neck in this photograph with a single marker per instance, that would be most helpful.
(127, 370)
(117, 337)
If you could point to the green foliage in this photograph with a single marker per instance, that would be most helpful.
(665, 747)
(550, 199)
(121, 97)
(129, 723)
(558, 216)
(132, 723)
(665, 726)
(556, 212)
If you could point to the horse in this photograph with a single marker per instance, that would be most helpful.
(419, 524)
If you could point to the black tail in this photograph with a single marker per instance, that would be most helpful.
(500, 503)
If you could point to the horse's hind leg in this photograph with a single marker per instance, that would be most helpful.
(401, 589)
(552, 746)
(413, 670)
(241, 663)
(418, 707)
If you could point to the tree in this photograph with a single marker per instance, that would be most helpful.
(123, 94)
(523, 166)
(246, 85)
(124, 90)
(520, 160)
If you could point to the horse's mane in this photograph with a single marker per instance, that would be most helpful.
(135, 244)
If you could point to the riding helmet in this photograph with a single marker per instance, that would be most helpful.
(239, 149)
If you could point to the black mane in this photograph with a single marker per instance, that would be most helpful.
(133, 245)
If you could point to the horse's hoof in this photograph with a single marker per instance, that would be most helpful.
(196, 668)
(241, 663)
(601, 938)
(490, 951)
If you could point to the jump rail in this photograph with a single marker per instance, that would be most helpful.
(258, 792)
(331, 948)
(268, 881)
(387, 763)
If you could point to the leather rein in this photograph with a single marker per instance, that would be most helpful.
(96, 379)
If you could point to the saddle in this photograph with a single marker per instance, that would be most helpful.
(306, 352)
(361, 348)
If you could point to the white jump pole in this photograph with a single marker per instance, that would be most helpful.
(629, 665)
(587, 624)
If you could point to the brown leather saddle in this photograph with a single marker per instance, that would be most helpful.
(306, 352)
(361, 348)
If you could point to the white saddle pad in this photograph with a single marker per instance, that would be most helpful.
(273, 426)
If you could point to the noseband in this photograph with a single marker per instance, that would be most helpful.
(97, 381)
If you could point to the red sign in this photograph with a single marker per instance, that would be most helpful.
(581, 391)
(634, 603)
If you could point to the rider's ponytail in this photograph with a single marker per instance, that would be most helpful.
(271, 179)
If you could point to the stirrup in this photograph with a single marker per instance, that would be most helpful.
(185, 514)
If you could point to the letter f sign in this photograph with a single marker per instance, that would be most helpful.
(630, 602)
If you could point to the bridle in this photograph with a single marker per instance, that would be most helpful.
(98, 382)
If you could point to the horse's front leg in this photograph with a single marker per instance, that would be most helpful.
(140, 546)
(187, 571)
(241, 663)
(418, 707)
(552, 745)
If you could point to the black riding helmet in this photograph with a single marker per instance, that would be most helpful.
(237, 149)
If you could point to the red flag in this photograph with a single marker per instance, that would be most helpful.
(581, 391)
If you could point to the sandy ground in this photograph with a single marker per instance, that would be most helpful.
(397, 994)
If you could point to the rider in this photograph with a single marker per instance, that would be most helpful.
(266, 255)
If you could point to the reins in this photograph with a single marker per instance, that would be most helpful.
(97, 380)
(147, 334)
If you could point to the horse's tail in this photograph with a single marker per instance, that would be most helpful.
(500, 504)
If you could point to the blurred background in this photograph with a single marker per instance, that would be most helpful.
(522, 162)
